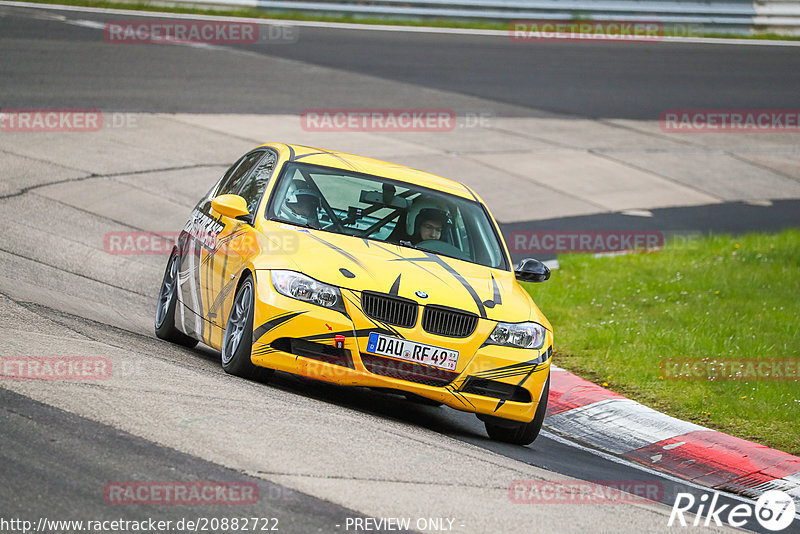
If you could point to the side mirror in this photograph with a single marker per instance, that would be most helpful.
(531, 270)
(232, 206)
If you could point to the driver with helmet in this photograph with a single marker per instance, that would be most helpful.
(426, 220)
(301, 204)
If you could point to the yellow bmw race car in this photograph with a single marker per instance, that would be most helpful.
(360, 272)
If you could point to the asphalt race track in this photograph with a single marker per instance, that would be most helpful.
(582, 79)
(321, 456)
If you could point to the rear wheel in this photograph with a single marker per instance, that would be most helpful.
(165, 309)
(514, 431)
(238, 341)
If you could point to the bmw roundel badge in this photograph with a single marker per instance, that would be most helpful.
(421, 294)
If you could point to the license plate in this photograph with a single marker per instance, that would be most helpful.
(412, 351)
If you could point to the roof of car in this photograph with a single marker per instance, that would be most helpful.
(343, 160)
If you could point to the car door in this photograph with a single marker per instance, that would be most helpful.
(195, 248)
(235, 241)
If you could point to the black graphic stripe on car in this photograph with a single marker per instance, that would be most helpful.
(273, 323)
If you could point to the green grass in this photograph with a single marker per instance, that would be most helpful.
(293, 15)
(617, 318)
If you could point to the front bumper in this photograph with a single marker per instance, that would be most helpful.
(323, 344)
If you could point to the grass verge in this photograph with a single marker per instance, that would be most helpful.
(286, 15)
(616, 319)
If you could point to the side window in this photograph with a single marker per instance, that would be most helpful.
(253, 188)
(225, 181)
(233, 183)
(205, 204)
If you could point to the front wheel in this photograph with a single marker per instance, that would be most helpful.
(165, 309)
(238, 341)
(514, 431)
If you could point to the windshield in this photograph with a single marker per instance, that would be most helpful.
(371, 207)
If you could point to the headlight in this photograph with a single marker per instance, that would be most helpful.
(520, 335)
(301, 287)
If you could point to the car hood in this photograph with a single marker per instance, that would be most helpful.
(427, 278)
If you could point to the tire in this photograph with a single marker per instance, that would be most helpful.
(516, 432)
(165, 307)
(237, 342)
